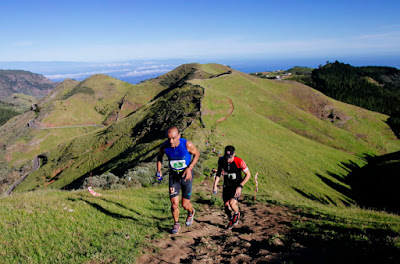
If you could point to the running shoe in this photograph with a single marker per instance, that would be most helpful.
(175, 228)
(234, 220)
(189, 219)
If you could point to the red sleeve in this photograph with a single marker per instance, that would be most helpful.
(240, 163)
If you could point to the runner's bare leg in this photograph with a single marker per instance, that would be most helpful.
(187, 205)
(234, 205)
(175, 208)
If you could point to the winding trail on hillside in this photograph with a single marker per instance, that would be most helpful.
(232, 107)
(36, 160)
(256, 239)
(35, 166)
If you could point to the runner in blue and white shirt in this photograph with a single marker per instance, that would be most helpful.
(179, 152)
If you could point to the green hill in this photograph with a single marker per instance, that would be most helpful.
(98, 100)
(373, 88)
(298, 70)
(309, 151)
(294, 136)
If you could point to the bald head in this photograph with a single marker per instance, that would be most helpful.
(173, 129)
(173, 135)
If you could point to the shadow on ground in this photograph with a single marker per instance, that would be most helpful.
(375, 185)
(325, 243)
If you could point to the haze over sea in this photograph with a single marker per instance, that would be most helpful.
(140, 70)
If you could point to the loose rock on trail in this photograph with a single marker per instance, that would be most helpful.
(256, 239)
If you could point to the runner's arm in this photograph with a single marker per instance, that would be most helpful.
(216, 180)
(187, 174)
(159, 159)
(246, 178)
(192, 150)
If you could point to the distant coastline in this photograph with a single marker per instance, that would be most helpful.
(135, 71)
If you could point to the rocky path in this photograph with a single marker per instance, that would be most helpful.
(258, 238)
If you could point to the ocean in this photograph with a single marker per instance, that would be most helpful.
(135, 71)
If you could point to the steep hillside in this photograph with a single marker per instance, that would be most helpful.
(17, 81)
(98, 100)
(122, 145)
(373, 88)
(294, 136)
(72, 109)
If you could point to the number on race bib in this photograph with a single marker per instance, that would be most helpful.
(232, 176)
(178, 164)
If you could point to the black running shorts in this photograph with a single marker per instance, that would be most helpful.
(176, 183)
(228, 192)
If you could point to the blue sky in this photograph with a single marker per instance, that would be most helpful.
(136, 40)
(121, 30)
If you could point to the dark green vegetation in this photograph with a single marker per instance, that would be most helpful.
(6, 112)
(13, 105)
(297, 70)
(307, 148)
(373, 88)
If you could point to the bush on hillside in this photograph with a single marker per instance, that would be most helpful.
(105, 181)
(142, 174)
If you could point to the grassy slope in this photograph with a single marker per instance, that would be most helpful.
(20, 101)
(75, 227)
(289, 147)
(120, 146)
(78, 109)
(93, 100)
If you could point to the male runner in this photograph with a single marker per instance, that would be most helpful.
(179, 151)
(233, 183)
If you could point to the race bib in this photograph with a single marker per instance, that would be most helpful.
(231, 176)
(178, 164)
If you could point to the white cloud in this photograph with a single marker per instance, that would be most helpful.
(82, 74)
(157, 67)
(111, 65)
(145, 72)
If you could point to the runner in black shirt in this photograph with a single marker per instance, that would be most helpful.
(233, 182)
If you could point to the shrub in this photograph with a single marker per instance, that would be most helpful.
(105, 181)
(206, 170)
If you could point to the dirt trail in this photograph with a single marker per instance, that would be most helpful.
(256, 239)
(230, 111)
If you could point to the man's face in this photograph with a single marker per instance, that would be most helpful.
(229, 155)
(231, 158)
(173, 138)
